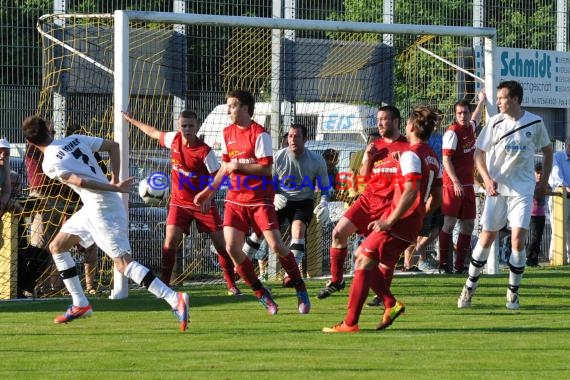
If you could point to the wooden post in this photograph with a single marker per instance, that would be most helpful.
(8, 256)
(559, 216)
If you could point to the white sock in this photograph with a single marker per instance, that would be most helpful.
(517, 262)
(137, 272)
(479, 256)
(64, 261)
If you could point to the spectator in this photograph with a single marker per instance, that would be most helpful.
(560, 177)
(504, 156)
(5, 183)
(537, 221)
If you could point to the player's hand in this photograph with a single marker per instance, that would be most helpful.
(231, 167)
(125, 186)
(491, 188)
(202, 197)
(279, 202)
(205, 206)
(379, 225)
(322, 212)
(370, 150)
(127, 116)
(458, 190)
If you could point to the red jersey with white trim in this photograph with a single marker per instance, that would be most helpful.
(385, 167)
(192, 167)
(251, 145)
(419, 165)
(459, 144)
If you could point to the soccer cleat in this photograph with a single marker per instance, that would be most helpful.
(512, 300)
(390, 315)
(341, 328)
(182, 310)
(235, 292)
(376, 301)
(465, 297)
(330, 288)
(267, 301)
(303, 302)
(74, 312)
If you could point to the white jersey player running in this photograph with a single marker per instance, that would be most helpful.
(102, 219)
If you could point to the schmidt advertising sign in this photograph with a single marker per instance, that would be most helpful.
(544, 75)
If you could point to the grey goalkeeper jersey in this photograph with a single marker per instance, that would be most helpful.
(299, 177)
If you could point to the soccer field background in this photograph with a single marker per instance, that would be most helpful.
(228, 338)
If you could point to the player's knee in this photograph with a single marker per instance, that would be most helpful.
(517, 261)
(466, 226)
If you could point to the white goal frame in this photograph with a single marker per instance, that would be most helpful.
(121, 61)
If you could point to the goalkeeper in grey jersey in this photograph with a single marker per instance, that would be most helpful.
(298, 172)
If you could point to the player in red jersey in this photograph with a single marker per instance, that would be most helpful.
(458, 177)
(247, 157)
(192, 162)
(417, 192)
(379, 166)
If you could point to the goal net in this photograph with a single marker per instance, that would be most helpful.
(329, 76)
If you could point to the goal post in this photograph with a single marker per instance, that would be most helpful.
(329, 75)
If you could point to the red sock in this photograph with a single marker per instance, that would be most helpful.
(290, 266)
(167, 264)
(385, 276)
(463, 247)
(227, 268)
(374, 279)
(247, 273)
(357, 297)
(444, 243)
(337, 256)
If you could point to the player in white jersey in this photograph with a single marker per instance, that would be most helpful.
(504, 156)
(102, 219)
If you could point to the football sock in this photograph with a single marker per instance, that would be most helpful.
(337, 256)
(68, 272)
(167, 264)
(385, 276)
(517, 262)
(144, 277)
(357, 296)
(463, 246)
(478, 261)
(444, 243)
(247, 273)
(297, 246)
(227, 268)
(290, 266)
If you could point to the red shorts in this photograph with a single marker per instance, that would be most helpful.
(365, 210)
(259, 217)
(463, 208)
(383, 248)
(182, 218)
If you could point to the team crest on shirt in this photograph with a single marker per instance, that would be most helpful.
(528, 134)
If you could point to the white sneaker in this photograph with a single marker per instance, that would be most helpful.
(464, 300)
(512, 300)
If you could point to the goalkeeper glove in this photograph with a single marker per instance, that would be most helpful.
(279, 202)
(322, 213)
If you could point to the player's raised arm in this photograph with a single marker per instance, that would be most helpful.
(114, 150)
(145, 128)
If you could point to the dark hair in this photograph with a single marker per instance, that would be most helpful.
(330, 153)
(538, 167)
(424, 120)
(514, 88)
(36, 130)
(72, 129)
(299, 126)
(188, 114)
(462, 103)
(245, 98)
(393, 111)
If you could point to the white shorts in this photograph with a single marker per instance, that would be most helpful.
(105, 227)
(502, 209)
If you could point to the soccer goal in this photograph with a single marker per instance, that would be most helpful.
(329, 75)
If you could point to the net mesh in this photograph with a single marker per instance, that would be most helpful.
(333, 82)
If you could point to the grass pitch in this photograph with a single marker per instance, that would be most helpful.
(138, 338)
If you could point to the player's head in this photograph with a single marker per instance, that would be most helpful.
(440, 116)
(462, 110)
(421, 123)
(296, 138)
(243, 99)
(509, 97)
(188, 124)
(388, 121)
(37, 131)
(331, 159)
(513, 90)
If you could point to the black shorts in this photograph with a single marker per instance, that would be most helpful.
(296, 210)
(432, 221)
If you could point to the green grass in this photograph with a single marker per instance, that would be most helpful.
(138, 338)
